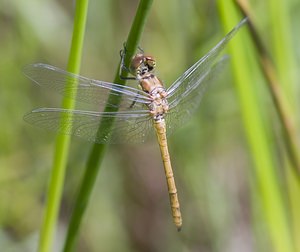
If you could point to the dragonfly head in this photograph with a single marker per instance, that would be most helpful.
(141, 64)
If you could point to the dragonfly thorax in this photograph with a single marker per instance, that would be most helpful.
(159, 105)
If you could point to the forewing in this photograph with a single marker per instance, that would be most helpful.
(117, 127)
(86, 90)
(192, 78)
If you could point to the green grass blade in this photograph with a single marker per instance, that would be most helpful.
(63, 141)
(282, 33)
(281, 36)
(266, 178)
(282, 90)
(97, 153)
(282, 104)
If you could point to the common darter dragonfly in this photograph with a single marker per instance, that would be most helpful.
(138, 114)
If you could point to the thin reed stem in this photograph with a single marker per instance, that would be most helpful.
(62, 144)
(97, 153)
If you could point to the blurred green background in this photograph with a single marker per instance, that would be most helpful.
(129, 210)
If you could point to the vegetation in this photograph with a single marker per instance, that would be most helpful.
(235, 162)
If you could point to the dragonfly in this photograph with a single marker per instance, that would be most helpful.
(135, 114)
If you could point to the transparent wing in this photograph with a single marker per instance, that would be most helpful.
(117, 127)
(185, 94)
(193, 77)
(86, 90)
(178, 115)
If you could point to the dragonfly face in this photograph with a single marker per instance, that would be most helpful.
(142, 65)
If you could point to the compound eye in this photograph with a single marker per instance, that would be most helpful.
(136, 63)
(150, 62)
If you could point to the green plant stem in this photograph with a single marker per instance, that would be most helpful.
(281, 104)
(63, 141)
(97, 153)
(285, 109)
(266, 178)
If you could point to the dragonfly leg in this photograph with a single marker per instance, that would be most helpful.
(122, 65)
(141, 50)
(135, 98)
(124, 68)
(132, 104)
